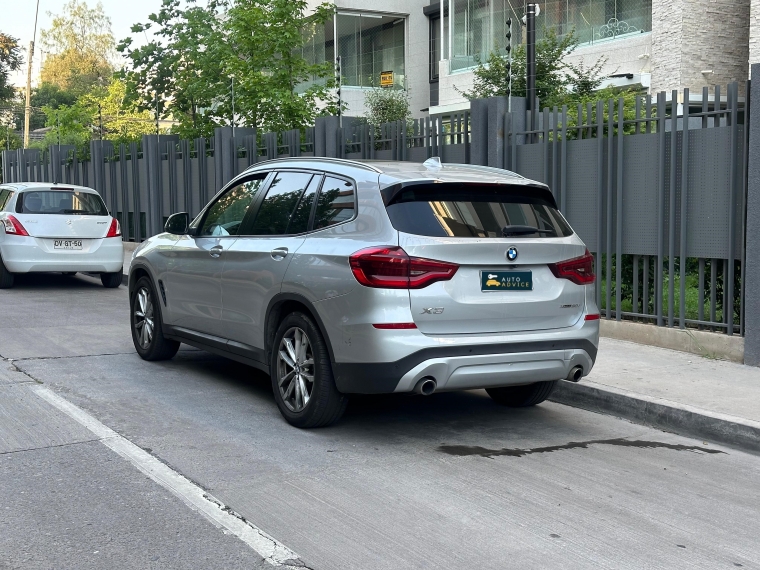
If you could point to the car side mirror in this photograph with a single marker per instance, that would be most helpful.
(177, 224)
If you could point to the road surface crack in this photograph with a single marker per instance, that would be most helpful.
(49, 446)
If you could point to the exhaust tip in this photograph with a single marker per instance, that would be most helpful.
(576, 373)
(426, 386)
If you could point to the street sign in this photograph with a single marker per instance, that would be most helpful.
(386, 79)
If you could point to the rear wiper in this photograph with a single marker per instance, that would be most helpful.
(520, 230)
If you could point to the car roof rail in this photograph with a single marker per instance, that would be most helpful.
(342, 161)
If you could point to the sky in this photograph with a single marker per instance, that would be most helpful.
(17, 20)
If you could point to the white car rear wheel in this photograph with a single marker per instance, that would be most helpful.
(6, 277)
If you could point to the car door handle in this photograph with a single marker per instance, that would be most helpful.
(216, 251)
(278, 254)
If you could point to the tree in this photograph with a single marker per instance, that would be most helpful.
(182, 69)
(557, 82)
(386, 106)
(198, 50)
(80, 46)
(266, 39)
(103, 113)
(48, 95)
(10, 60)
(121, 121)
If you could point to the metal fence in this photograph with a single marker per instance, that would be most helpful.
(661, 206)
(660, 199)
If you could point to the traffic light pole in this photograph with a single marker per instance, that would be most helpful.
(530, 24)
(509, 65)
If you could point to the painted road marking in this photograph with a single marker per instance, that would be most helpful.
(193, 496)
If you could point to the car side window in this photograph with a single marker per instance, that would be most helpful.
(278, 206)
(299, 223)
(336, 203)
(225, 216)
(5, 195)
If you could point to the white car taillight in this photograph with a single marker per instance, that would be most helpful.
(13, 226)
(115, 229)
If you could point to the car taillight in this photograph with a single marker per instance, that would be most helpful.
(13, 226)
(389, 267)
(579, 270)
(115, 229)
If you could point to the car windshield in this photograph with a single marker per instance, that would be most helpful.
(475, 211)
(60, 202)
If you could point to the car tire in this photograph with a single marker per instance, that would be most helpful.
(522, 396)
(146, 324)
(324, 404)
(111, 280)
(6, 277)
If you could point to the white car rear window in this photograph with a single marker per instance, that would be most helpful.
(67, 202)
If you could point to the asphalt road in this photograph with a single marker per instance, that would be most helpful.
(448, 481)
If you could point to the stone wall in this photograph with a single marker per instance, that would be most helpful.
(690, 37)
(754, 33)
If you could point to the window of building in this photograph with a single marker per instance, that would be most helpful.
(367, 44)
(479, 25)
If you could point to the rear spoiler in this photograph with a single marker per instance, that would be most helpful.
(533, 192)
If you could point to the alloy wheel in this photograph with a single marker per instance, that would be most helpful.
(295, 369)
(144, 324)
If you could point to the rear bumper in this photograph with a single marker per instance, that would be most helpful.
(22, 254)
(467, 367)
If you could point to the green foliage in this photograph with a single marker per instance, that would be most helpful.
(80, 122)
(10, 61)
(199, 49)
(558, 83)
(48, 95)
(80, 47)
(8, 139)
(70, 125)
(386, 106)
(553, 75)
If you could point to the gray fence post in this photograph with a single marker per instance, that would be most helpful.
(752, 271)
(7, 170)
(497, 108)
(479, 132)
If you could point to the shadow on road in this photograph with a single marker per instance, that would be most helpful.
(38, 281)
(420, 417)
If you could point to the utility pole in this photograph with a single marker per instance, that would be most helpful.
(28, 109)
(340, 101)
(509, 65)
(232, 77)
(530, 23)
(155, 95)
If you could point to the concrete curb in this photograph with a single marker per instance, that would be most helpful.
(703, 343)
(660, 413)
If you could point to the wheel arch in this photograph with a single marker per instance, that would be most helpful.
(284, 304)
(136, 271)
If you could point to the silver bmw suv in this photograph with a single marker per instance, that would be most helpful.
(341, 277)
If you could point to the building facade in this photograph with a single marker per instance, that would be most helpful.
(431, 47)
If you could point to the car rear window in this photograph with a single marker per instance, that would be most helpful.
(477, 211)
(60, 202)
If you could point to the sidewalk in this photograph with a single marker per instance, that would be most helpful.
(674, 391)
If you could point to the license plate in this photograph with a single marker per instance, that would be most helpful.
(67, 244)
(506, 281)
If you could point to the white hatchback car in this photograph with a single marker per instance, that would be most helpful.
(57, 228)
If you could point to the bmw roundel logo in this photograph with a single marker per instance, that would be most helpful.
(512, 253)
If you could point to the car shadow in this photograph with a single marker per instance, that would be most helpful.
(407, 415)
(37, 281)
